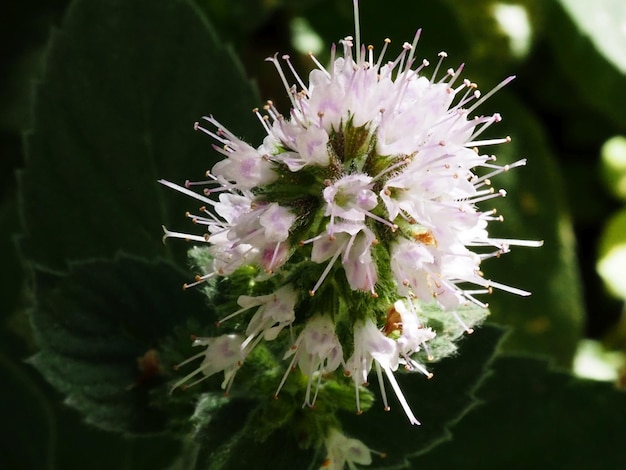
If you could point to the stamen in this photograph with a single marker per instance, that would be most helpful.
(308, 401)
(416, 38)
(281, 74)
(386, 222)
(188, 360)
(357, 31)
(185, 379)
(262, 121)
(303, 87)
(481, 143)
(491, 195)
(287, 372)
(386, 43)
(467, 329)
(184, 236)
(199, 280)
(274, 256)
(456, 75)
(504, 287)
(498, 170)
(494, 90)
(407, 47)
(381, 384)
(325, 273)
(232, 315)
(400, 395)
(358, 401)
(442, 55)
(319, 65)
(485, 125)
(186, 192)
(515, 242)
(390, 168)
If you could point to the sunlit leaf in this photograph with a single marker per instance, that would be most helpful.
(588, 40)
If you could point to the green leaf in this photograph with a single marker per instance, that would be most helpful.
(57, 438)
(124, 82)
(534, 209)
(11, 285)
(22, 402)
(77, 445)
(97, 324)
(536, 417)
(438, 403)
(588, 41)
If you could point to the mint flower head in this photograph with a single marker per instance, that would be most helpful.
(363, 208)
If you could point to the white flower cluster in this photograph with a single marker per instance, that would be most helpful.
(373, 173)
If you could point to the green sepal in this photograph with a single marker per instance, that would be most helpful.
(448, 328)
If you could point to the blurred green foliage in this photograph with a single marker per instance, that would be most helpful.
(87, 192)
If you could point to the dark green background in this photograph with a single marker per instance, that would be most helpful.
(91, 119)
